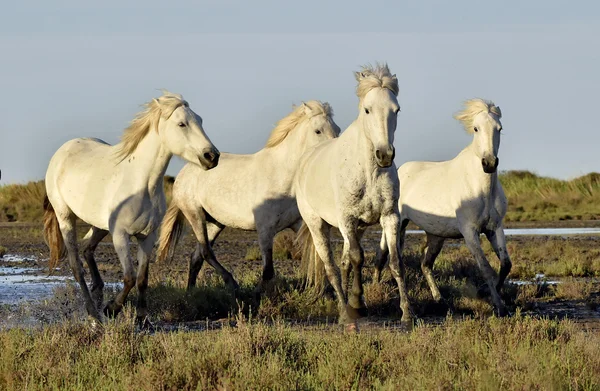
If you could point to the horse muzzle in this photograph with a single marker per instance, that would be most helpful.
(385, 156)
(209, 158)
(490, 164)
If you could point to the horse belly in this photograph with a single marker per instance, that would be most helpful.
(231, 213)
(432, 216)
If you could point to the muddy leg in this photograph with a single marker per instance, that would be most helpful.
(197, 258)
(434, 246)
(394, 236)
(498, 242)
(265, 242)
(121, 243)
(88, 254)
(353, 254)
(145, 246)
(472, 240)
(319, 230)
(67, 228)
(381, 258)
(197, 220)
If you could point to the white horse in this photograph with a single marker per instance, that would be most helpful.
(350, 183)
(119, 189)
(459, 198)
(250, 192)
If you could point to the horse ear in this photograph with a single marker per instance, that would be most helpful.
(156, 101)
(359, 76)
(307, 109)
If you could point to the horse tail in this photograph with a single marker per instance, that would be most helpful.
(171, 230)
(52, 235)
(312, 266)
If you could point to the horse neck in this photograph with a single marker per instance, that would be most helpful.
(287, 153)
(479, 181)
(361, 146)
(149, 163)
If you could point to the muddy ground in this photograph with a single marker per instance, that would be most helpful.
(235, 249)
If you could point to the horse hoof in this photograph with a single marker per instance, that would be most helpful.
(111, 309)
(356, 313)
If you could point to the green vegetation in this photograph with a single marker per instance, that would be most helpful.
(516, 353)
(24, 203)
(531, 198)
(535, 198)
(287, 339)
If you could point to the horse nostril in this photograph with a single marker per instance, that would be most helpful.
(378, 154)
(209, 156)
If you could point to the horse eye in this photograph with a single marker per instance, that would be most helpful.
(181, 125)
(317, 131)
(475, 129)
(366, 110)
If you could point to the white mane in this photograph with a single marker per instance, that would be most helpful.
(291, 121)
(474, 107)
(378, 76)
(148, 119)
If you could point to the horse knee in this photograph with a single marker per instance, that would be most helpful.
(129, 279)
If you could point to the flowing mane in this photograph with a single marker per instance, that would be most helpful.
(474, 107)
(378, 76)
(306, 110)
(148, 119)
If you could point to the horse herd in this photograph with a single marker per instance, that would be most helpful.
(308, 177)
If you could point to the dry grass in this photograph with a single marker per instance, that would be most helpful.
(517, 353)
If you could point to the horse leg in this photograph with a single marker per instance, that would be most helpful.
(145, 245)
(472, 240)
(265, 242)
(432, 250)
(353, 254)
(196, 258)
(381, 257)
(88, 254)
(195, 265)
(319, 230)
(67, 228)
(121, 243)
(197, 220)
(394, 236)
(498, 242)
(345, 267)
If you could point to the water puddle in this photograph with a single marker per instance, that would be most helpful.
(533, 231)
(20, 283)
(539, 279)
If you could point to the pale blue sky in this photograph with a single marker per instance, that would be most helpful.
(69, 69)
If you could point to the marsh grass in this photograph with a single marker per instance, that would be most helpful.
(22, 202)
(535, 198)
(531, 198)
(516, 353)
